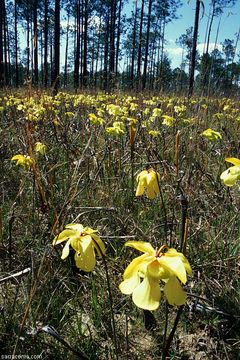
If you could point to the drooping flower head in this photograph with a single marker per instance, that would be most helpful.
(232, 174)
(40, 148)
(148, 181)
(143, 275)
(211, 134)
(117, 129)
(84, 241)
(23, 160)
(168, 120)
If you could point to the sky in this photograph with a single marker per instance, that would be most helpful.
(230, 25)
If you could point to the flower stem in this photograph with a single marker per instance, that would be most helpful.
(164, 214)
(110, 299)
(166, 325)
(184, 223)
(172, 333)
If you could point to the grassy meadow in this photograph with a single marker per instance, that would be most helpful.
(96, 144)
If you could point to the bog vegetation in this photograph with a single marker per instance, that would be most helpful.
(84, 174)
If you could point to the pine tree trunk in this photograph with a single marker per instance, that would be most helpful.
(16, 45)
(77, 48)
(6, 61)
(85, 47)
(112, 43)
(66, 56)
(146, 47)
(45, 70)
(28, 41)
(35, 31)
(194, 48)
(140, 47)
(56, 68)
(97, 56)
(118, 37)
(162, 54)
(1, 46)
(133, 48)
(106, 48)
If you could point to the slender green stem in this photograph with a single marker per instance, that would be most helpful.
(132, 170)
(172, 333)
(110, 298)
(166, 326)
(184, 204)
(164, 212)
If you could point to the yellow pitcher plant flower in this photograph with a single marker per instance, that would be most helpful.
(212, 135)
(40, 148)
(148, 181)
(143, 275)
(232, 174)
(168, 120)
(23, 160)
(117, 129)
(84, 241)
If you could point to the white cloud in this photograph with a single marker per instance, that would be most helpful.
(211, 47)
(177, 51)
(174, 51)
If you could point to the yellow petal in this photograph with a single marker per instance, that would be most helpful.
(133, 268)
(88, 230)
(77, 227)
(141, 246)
(141, 179)
(157, 271)
(174, 252)
(64, 235)
(142, 175)
(127, 286)
(17, 157)
(147, 295)
(98, 243)
(140, 189)
(174, 292)
(233, 161)
(65, 251)
(86, 259)
(175, 266)
(150, 193)
(231, 175)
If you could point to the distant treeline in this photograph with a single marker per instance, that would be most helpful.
(102, 46)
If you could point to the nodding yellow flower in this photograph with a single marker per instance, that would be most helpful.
(168, 120)
(96, 120)
(232, 174)
(23, 160)
(40, 148)
(114, 110)
(84, 241)
(154, 133)
(117, 129)
(157, 112)
(143, 275)
(148, 181)
(211, 135)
